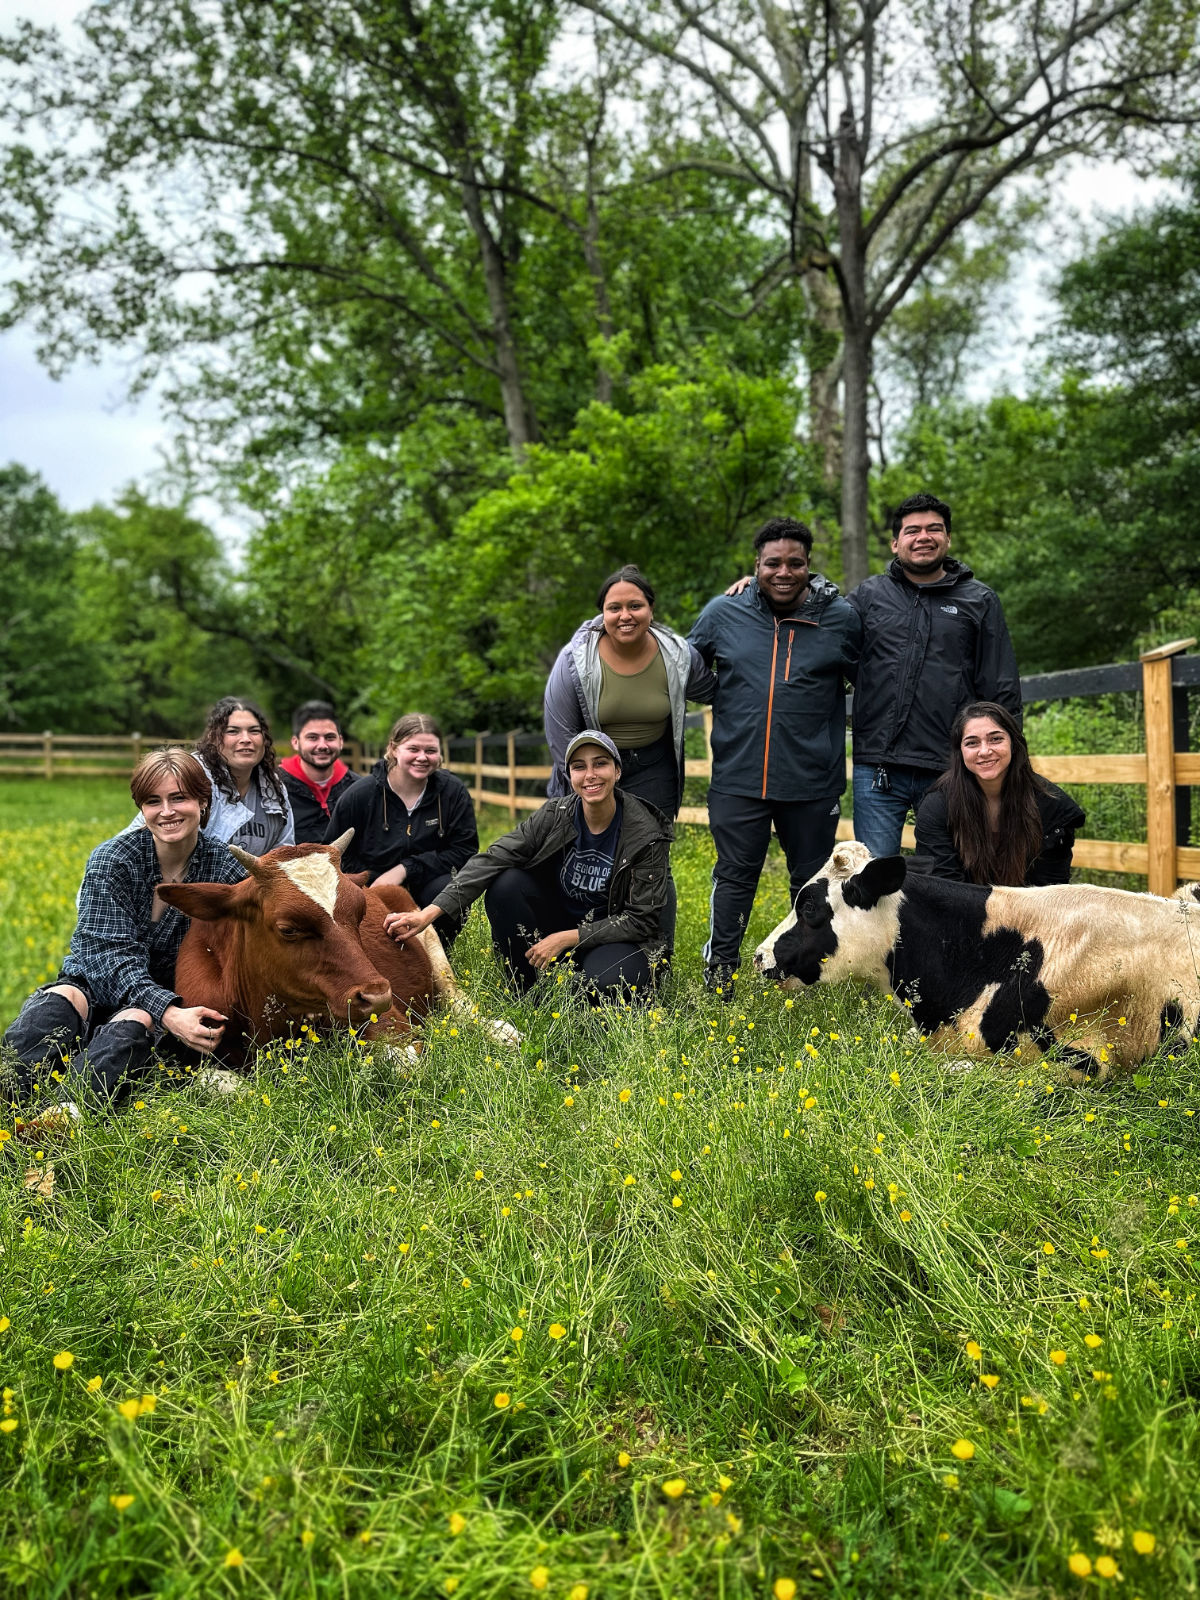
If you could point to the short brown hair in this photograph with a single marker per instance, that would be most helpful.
(184, 770)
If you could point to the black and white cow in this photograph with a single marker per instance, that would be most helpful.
(1107, 974)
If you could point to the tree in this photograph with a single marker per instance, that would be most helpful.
(1078, 502)
(881, 130)
(673, 483)
(341, 215)
(48, 665)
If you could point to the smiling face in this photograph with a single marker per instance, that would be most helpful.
(318, 744)
(593, 774)
(627, 615)
(921, 545)
(781, 568)
(242, 743)
(172, 816)
(986, 752)
(418, 756)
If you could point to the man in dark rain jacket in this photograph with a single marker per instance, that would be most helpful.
(781, 650)
(933, 639)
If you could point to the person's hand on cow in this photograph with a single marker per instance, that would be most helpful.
(546, 950)
(395, 875)
(402, 925)
(739, 584)
(198, 1027)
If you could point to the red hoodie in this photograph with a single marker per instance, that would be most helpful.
(294, 767)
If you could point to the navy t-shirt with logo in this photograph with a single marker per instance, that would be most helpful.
(587, 866)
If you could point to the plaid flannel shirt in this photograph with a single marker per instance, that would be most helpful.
(121, 956)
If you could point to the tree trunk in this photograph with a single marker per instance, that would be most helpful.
(856, 353)
(519, 418)
(595, 267)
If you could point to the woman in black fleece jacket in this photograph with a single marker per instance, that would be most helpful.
(413, 823)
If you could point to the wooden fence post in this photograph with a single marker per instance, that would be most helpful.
(1160, 765)
(478, 769)
(47, 753)
(512, 777)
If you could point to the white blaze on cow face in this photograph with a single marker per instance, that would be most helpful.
(853, 942)
(316, 876)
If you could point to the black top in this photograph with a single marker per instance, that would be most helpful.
(587, 866)
(937, 854)
(309, 817)
(438, 837)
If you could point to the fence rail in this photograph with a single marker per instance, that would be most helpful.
(1167, 770)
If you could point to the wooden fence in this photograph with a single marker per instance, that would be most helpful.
(1167, 770)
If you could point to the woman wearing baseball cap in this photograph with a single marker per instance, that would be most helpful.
(584, 878)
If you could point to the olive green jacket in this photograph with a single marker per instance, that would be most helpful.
(637, 890)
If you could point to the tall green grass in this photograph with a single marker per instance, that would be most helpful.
(797, 1305)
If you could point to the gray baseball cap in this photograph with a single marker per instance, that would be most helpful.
(592, 736)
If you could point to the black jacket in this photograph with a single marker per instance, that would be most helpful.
(308, 816)
(936, 852)
(438, 838)
(927, 651)
(779, 713)
(637, 889)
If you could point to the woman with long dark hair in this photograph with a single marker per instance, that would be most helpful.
(250, 806)
(990, 818)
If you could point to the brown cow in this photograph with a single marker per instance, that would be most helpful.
(298, 937)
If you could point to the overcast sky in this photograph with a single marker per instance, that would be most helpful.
(88, 441)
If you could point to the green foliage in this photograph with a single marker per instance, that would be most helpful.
(47, 663)
(157, 594)
(1076, 503)
(317, 1285)
(673, 483)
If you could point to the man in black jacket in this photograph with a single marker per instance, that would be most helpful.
(782, 651)
(314, 776)
(934, 639)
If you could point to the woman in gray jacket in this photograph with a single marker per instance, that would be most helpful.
(631, 677)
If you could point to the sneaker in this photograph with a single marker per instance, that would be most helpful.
(719, 980)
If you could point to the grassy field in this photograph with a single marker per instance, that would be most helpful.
(701, 1301)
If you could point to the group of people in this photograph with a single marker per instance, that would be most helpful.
(586, 877)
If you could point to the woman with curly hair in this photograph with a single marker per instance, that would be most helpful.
(990, 818)
(250, 806)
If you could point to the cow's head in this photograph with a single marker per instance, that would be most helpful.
(296, 941)
(843, 924)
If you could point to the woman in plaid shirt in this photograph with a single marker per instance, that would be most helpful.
(115, 996)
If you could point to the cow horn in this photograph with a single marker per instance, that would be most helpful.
(243, 857)
(343, 839)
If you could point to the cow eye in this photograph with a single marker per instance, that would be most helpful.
(286, 931)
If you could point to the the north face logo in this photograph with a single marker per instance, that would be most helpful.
(951, 611)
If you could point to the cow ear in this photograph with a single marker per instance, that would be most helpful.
(360, 878)
(879, 877)
(207, 902)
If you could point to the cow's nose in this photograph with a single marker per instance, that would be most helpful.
(362, 1002)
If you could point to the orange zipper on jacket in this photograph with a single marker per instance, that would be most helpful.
(787, 668)
(770, 704)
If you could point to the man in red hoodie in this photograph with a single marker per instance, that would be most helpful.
(314, 776)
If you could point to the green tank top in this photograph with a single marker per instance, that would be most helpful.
(635, 708)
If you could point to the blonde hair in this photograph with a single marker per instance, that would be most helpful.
(181, 767)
